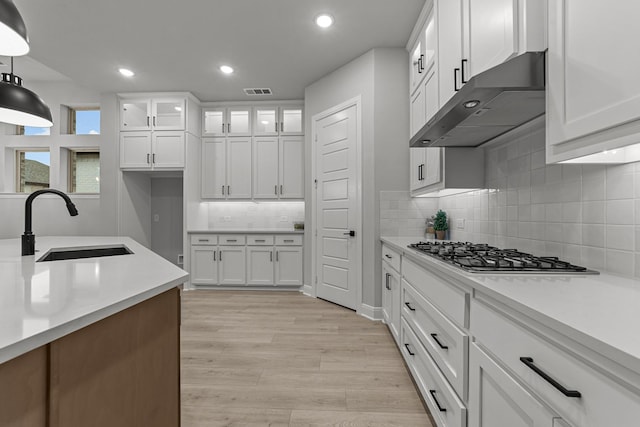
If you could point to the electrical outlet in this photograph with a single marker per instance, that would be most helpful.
(227, 219)
(284, 218)
(460, 223)
(180, 259)
(156, 217)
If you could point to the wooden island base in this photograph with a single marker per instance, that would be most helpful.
(121, 371)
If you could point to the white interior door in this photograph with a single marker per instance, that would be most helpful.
(337, 207)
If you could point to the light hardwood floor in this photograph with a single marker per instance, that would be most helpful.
(284, 359)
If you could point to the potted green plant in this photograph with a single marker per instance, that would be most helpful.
(440, 224)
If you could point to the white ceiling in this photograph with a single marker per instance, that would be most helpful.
(178, 45)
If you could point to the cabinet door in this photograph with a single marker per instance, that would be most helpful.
(449, 21)
(239, 121)
(265, 120)
(135, 150)
(492, 34)
(135, 114)
(168, 150)
(431, 98)
(265, 168)
(394, 284)
(418, 114)
(288, 265)
(291, 167)
(213, 122)
(260, 265)
(168, 114)
(213, 173)
(291, 122)
(387, 298)
(416, 64)
(593, 93)
(497, 400)
(204, 265)
(432, 173)
(232, 265)
(417, 160)
(239, 168)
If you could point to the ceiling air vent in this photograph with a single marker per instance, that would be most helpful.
(252, 91)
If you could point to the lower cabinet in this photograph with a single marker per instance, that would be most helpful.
(497, 400)
(254, 260)
(391, 299)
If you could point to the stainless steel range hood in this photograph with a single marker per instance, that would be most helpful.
(508, 95)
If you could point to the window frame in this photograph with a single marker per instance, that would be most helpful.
(17, 153)
(70, 167)
(72, 121)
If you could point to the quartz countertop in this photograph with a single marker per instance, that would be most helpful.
(247, 231)
(598, 311)
(43, 301)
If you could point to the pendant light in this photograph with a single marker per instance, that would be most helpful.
(20, 106)
(13, 33)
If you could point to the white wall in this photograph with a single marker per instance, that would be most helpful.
(97, 214)
(380, 78)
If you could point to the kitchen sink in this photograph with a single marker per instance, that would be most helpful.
(60, 254)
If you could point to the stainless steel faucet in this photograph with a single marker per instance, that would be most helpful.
(28, 238)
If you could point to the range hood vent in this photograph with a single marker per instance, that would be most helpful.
(488, 105)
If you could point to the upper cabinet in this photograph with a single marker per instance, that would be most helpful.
(226, 121)
(593, 94)
(152, 114)
(277, 120)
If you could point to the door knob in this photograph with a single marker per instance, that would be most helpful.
(350, 233)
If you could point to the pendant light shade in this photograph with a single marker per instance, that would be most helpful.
(20, 106)
(13, 33)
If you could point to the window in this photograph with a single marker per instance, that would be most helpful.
(84, 171)
(32, 170)
(84, 121)
(30, 130)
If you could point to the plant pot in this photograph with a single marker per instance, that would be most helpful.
(440, 234)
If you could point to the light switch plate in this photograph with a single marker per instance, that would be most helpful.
(460, 223)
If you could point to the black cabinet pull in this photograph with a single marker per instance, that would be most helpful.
(281, 126)
(288, 240)
(408, 304)
(214, 255)
(154, 121)
(153, 158)
(228, 127)
(223, 190)
(569, 393)
(276, 190)
(464, 61)
(421, 62)
(280, 189)
(411, 353)
(147, 157)
(147, 121)
(455, 79)
(278, 256)
(435, 338)
(228, 190)
(271, 256)
(223, 128)
(433, 394)
(220, 256)
(387, 281)
(420, 65)
(388, 256)
(232, 240)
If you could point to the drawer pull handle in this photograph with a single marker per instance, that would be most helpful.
(288, 240)
(569, 393)
(408, 304)
(435, 338)
(387, 285)
(232, 240)
(260, 240)
(411, 353)
(388, 256)
(440, 408)
(203, 240)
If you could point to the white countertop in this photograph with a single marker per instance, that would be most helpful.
(247, 231)
(601, 311)
(43, 301)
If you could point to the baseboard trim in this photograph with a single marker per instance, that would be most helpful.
(307, 290)
(370, 312)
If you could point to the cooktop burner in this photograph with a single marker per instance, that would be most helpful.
(482, 258)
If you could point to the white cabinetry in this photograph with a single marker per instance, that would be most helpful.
(204, 265)
(226, 168)
(593, 93)
(269, 120)
(152, 114)
(391, 290)
(288, 265)
(278, 166)
(226, 121)
(232, 265)
(426, 164)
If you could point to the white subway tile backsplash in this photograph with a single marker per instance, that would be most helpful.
(620, 212)
(593, 212)
(619, 262)
(620, 237)
(593, 235)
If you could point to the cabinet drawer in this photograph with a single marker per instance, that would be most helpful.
(602, 401)
(447, 409)
(391, 256)
(445, 342)
(451, 300)
(232, 239)
(204, 239)
(260, 240)
(289, 240)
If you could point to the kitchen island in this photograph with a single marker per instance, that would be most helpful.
(91, 341)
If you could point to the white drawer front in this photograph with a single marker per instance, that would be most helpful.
(602, 401)
(391, 256)
(204, 239)
(451, 300)
(446, 408)
(232, 239)
(289, 240)
(260, 240)
(446, 343)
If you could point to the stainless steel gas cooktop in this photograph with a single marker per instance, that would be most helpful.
(482, 258)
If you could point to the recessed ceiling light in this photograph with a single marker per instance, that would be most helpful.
(178, 108)
(226, 69)
(471, 104)
(126, 72)
(324, 20)
(265, 122)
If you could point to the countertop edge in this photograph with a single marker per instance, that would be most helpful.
(258, 231)
(612, 353)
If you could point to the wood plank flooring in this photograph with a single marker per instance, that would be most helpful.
(284, 359)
